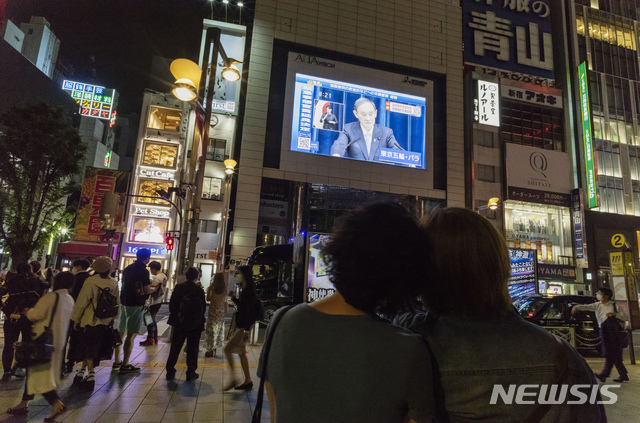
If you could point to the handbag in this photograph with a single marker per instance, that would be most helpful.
(39, 350)
(257, 412)
(147, 317)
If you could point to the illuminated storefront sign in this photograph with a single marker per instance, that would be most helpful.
(156, 174)
(151, 211)
(529, 96)
(223, 106)
(592, 197)
(107, 159)
(157, 251)
(94, 101)
(487, 105)
(513, 35)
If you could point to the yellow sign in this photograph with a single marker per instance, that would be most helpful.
(618, 240)
(617, 266)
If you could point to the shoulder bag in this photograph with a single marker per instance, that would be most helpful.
(39, 350)
(257, 412)
(624, 339)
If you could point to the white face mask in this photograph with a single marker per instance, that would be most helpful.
(599, 296)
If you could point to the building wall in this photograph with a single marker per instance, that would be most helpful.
(40, 44)
(420, 35)
(14, 36)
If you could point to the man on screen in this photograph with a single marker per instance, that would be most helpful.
(362, 139)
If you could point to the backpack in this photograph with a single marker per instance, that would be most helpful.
(106, 305)
(190, 313)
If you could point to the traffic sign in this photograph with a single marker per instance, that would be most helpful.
(618, 240)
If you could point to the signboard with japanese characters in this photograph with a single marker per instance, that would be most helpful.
(513, 35)
(539, 176)
(523, 273)
(580, 242)
(94, 101)
(98, 182)
(487, 105)
(529, 96)
(589, 161)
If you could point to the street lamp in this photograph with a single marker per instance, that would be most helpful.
(492, 204)
(229, 168)
(204, 105)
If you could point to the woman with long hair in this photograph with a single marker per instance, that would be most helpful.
(478, 344)
(54, 307)
(248, 313)
(218, 307)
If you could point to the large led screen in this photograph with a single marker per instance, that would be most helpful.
(319, 285)
(342, 119)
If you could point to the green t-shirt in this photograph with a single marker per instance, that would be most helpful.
(337, 368)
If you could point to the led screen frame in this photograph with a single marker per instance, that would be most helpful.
(392, 93)
(148, 230)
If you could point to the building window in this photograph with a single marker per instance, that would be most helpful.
(212, 188)
(532, 125)
(148, 187)
(485, 173)
(208, 226)
(216, 149)
(160, 154)
(164, 119)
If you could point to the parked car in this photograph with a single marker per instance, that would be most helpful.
(554, 313)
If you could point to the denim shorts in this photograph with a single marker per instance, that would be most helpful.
(130, 319)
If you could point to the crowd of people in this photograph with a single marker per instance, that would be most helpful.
(420, 328)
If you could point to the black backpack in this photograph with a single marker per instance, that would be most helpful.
(190, 313)
(107, 304)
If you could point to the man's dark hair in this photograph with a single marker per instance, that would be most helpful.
(376, 258)
(143, 253)
(24, 268)
(192, 274)
(84, 264)
(63, 280)
(247, 273)
(155, 265)
(606, 291)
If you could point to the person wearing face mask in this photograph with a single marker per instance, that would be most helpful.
(609, 315)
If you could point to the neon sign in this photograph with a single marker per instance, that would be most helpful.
(94, 101)
(158, 251)
(592, 196)
(112, 121)
(107, 159)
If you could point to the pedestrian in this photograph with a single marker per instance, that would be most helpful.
(154, 302)
(3, 273)
(24, 291)
(186, 316)
(478, 344)
(95, 329)
(136, 287)
(80, 270)
(218, 307)
(609, 316)
(35, 268)
(248, 312)
(55, 308)
(336, 355)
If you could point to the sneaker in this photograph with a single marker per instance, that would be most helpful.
(18, 372)
(129, 369)
(147, 343)
(6, 377)
(192, 376)
(171, 374)
(77, 380)
(116, 367)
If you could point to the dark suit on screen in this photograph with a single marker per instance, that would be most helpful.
(381, 137)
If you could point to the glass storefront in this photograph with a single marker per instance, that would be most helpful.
(540, 227)
(164, 119)
(160, 154)
(148, 188)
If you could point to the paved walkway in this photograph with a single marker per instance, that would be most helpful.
(148, 397)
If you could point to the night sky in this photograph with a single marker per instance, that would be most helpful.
(122, 35)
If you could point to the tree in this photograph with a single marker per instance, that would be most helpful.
(40, 153)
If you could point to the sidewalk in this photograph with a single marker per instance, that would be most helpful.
(148, 397)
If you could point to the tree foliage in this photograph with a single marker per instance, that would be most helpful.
(40, 153)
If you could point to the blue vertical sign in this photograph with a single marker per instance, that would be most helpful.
(578, 229)
(512, 35)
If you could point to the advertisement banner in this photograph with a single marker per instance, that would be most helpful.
(318, 284)
(487, 104)
(98, 182)
(273, 213)
(523, 266)
(578, 229)
(539, 176)
(559, 272)
(513, 35)
(589, 163)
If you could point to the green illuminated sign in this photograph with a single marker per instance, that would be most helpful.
(592, 196)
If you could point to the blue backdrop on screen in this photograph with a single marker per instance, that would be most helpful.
(322, 107)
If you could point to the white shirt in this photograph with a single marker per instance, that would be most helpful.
(602, 310)
(368, 135)
(159, 279)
